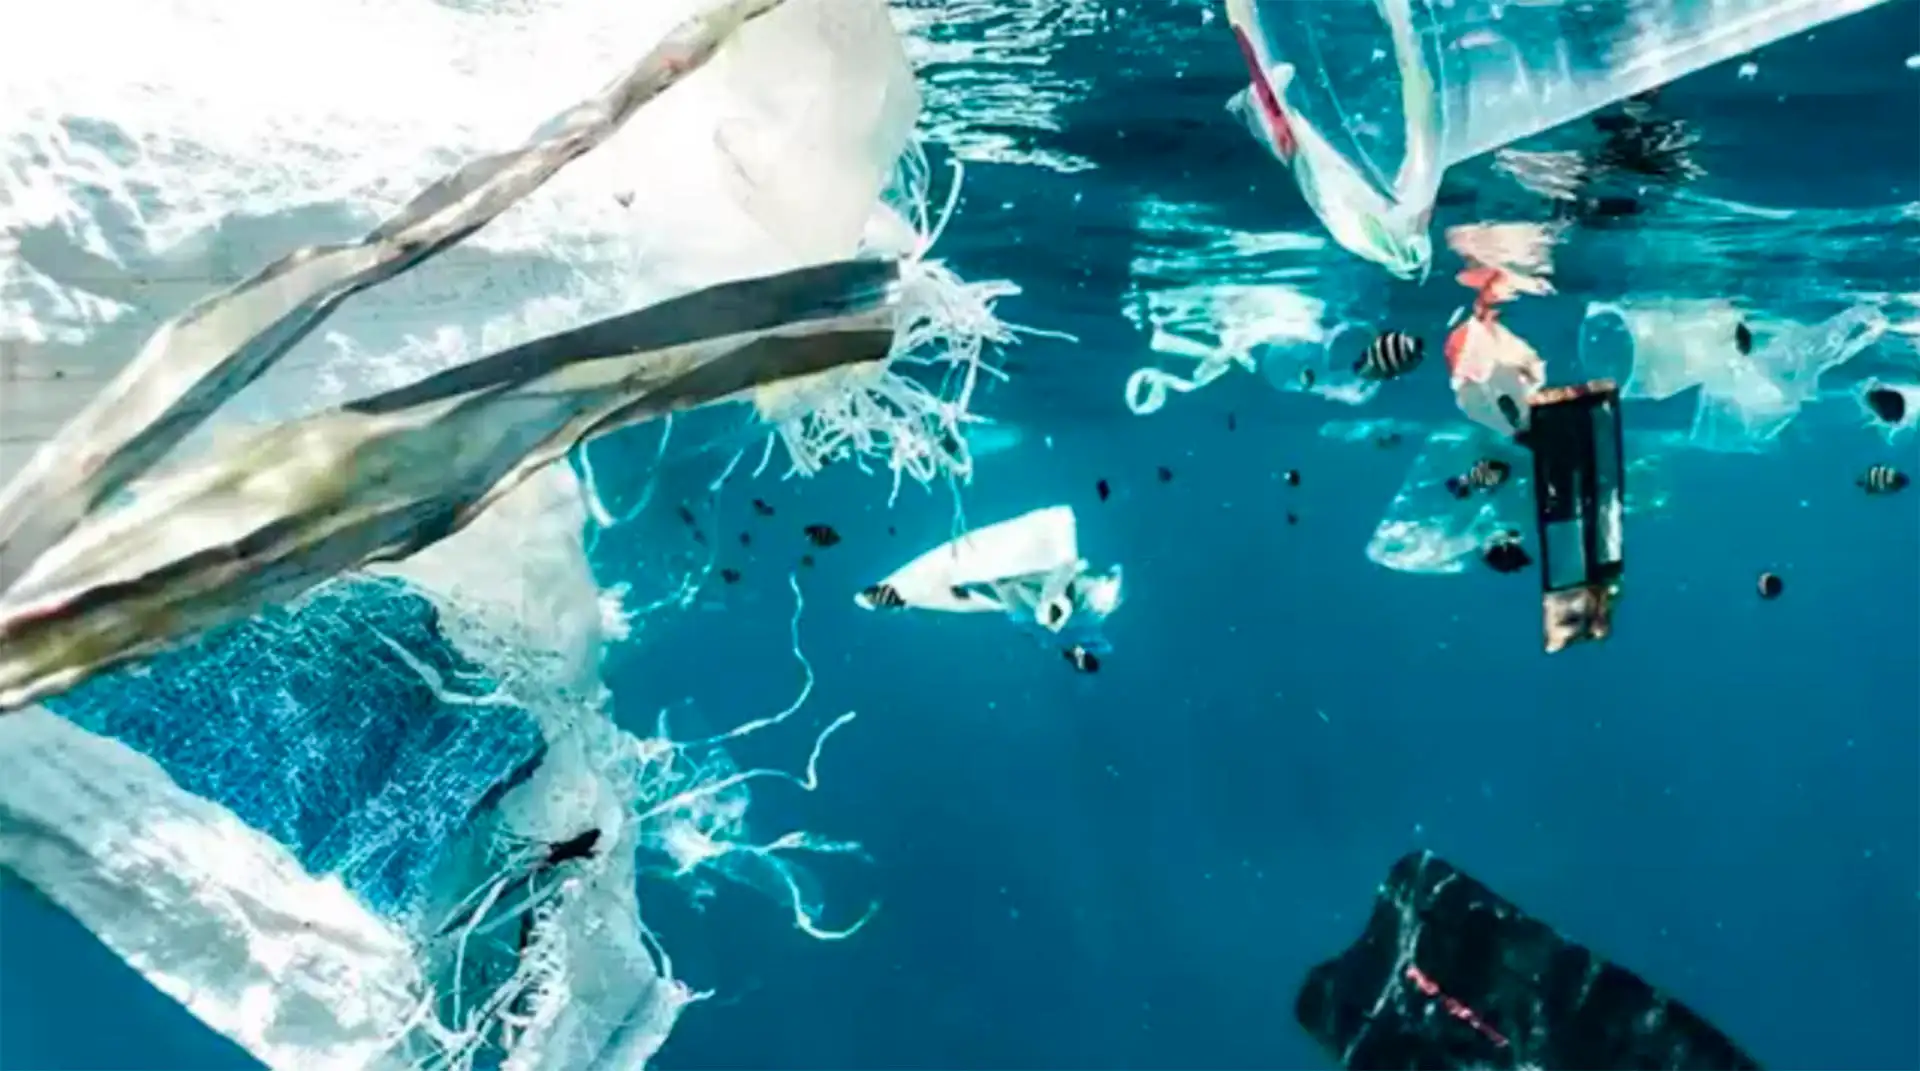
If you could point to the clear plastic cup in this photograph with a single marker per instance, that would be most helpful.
(1371, 102)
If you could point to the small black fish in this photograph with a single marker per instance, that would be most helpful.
(1232, 423)
(821, 535)
(891, 530)
(1292, 476)
(1292, 517)
(881, 597)
(1770, 586)
(1081, 659)
(1612, 207)
(1165, 474)
(731, 576)
(1103, 490)
(1387, 440)
(1882, 480)
(1306, 379)
(1743, 338)
(1487, 474)
(806, 561)
(1504, 554)
(1887, 404)
(624, 200)
(699, 537)
(1390, 356)
(577, 847)
(746, 540)
(686, 515)
(760, 506)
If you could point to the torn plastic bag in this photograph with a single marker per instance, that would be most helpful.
(1656, 347)
(267, 517)
(1427, 528)
(259, 840)
(1493, 373)
(196, 362)
(1450, 974)
(1747, 401)
(1370, 103)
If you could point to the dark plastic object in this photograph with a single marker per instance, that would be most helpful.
(1450, 975)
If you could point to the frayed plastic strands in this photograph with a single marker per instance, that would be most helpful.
(909, 413)
(692, 803)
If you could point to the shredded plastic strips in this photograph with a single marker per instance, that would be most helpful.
(198, 361)
(506, 930)
(393, 474)
(1370, 103)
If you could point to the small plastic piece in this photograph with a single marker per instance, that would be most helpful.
(1450, 974)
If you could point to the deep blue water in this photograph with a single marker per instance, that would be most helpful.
(1134, 869)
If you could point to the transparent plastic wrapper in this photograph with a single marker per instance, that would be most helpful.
(1212, 296)
(1748, 400)
(1370, 103)
(495, 921)
(1657, 348)
(1429, 528)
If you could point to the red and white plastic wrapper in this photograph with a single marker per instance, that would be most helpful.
(1487, 363)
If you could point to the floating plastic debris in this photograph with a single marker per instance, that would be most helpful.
(1493, 372)
(1371, 104)
(1419, 972)
(267, 517)
(169, 825)
(1028, 568)
(1748, 400)
(1427, 528)
(1659, 347)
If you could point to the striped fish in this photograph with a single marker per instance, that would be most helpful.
(1486, 474)
(881, 597)
(1393, 354)
(1882, 480)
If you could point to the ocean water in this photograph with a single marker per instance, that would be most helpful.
(1134, 869)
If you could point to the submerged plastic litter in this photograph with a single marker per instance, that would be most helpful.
(1450, 974)
(1027, 568)
(390, 475)
(1370, 104)
(276, 908)
(1747, 401)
